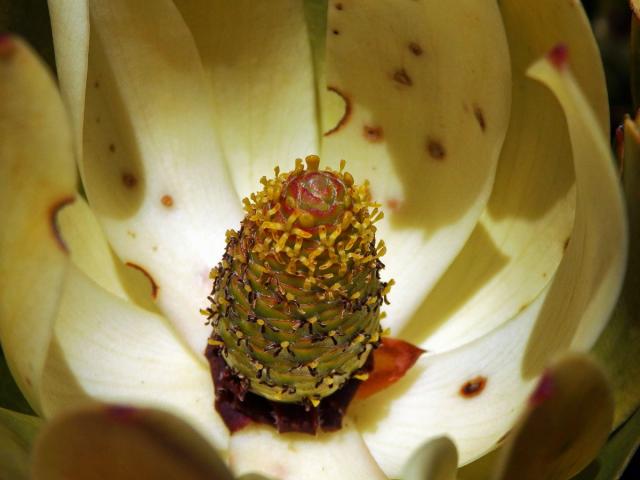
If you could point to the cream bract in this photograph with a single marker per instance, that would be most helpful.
(504, 222)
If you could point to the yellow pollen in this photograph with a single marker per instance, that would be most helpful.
(314, 401)
(215, 343)
(361, 376)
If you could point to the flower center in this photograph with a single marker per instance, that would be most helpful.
(295, 307)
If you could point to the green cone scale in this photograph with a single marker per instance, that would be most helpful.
(295, 306)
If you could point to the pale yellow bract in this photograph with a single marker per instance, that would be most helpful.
(504, 221)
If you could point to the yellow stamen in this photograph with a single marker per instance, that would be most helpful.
(313, 162)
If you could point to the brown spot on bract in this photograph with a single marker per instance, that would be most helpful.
(167, 201)
(131, 233)
(339, 6)
(347, 111)
(154, 285)
(566, 244)
(436, 149)
(129, 180)
(373, 134)
(402, 77)
(112, 148)
(335, 31)
(53, 221)
(415, 48)
(479, 114)
(393, 204)
(96, 84)
(473, 387)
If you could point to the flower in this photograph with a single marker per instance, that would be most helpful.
(505, 226)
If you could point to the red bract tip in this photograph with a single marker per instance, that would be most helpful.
(390, 363)
(121, 413)
(544, 390)
(7, 45)
(559, 56)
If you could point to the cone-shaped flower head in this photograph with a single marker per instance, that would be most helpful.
(296, 299)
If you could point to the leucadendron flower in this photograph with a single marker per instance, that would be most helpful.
(481, 127)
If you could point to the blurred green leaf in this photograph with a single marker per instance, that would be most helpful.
(616, 454)
(618, 348)
(17, 432)
(10, 395)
